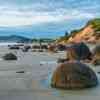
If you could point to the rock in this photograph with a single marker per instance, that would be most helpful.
(73, 75)
(36, 47)
(10, 56)
(62, 60)
(14, 47)
(34, 50)
(96, 53)
(96, 50)
(52, 48)
(20, 72)
(98, 72)
(96, 62)
(26, 48)
(40, 50)
(79, 51)
(44, 47)
(61, 47)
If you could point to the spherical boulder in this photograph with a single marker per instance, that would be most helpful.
(73, 75)
(79, 51)
(10, 56)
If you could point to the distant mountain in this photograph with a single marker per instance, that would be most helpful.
(90, 33)
(14, 38)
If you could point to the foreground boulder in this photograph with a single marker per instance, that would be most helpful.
(10, 56)
(78, 51)
(73, 75)
(96, 53)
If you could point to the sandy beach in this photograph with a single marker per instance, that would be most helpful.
(34, 84)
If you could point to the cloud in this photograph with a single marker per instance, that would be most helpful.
(60, 15)
(17, 17)
(37, 13)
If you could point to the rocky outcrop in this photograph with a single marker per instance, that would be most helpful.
(73, 75)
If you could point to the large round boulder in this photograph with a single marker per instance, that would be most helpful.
(73, 75)
(10, 56)
(79, 51)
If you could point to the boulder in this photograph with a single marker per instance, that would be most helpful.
(14, 47)
(96, 50)
(96, 53)
(61, 47)
(10, 56)
(44, 47)
(73, 75)
(26, 48)
(40, 50)
(79, 51)
(52, 48)
(62, 60)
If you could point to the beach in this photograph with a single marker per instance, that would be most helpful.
(34, 84)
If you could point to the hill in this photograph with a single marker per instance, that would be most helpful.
(14, 38)
(89, 33)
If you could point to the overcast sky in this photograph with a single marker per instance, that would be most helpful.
(52, 14)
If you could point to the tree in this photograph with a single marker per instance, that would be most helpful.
(66, 34)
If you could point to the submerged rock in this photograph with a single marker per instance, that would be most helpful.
(20, 72)
(10, 56)
(73, 75)
(79, 51)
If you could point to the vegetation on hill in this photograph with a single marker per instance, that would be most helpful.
(95, 23)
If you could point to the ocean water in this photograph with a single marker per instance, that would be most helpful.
(7, 43)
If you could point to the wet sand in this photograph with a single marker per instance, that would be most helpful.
(34, 84)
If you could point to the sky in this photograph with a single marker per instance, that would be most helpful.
(45, 18)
